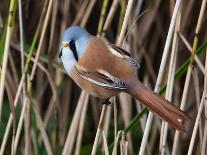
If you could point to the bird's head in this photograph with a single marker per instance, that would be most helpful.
(74, 42)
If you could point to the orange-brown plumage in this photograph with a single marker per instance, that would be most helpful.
(105, 70)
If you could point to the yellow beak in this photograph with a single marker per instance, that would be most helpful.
(64, 45)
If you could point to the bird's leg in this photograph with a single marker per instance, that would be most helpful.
(105, 101)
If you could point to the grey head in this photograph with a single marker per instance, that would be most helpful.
(74, 43)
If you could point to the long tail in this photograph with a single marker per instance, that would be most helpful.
(160, 106)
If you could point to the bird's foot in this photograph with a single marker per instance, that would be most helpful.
(106, 101)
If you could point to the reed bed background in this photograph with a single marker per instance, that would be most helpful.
(42, 111)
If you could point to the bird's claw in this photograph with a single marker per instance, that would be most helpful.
(106, 101)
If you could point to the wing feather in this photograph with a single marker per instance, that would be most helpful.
(102, 80)
(120, 52)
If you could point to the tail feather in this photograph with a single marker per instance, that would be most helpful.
(163, 108)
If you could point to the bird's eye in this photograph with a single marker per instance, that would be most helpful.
(72, 47)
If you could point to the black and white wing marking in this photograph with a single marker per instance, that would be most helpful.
(120, 52)
(102, 79)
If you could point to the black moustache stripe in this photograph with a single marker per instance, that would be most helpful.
(73, 49)
(61, 53)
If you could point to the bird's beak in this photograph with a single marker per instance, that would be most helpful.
(64, 45)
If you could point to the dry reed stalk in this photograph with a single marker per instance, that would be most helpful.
(65, 9)
(184, 97)
(121, 18)
(51, 82)
(170, 82)
(13, 138)
(126, 108)
(27, 125)
(197, 60)
(160, 74)
(196, 85)
(53, 21)
(53, 88)
(1, 22)
(41, 39)
(203, 149)
(124, 145)
(58, 79)
(115, 118)
(125, 23)
(49, 111)
(68, 146)
(10, 93)
(21, 38)
(143, 119)
(99, 130)
(81, 125)
(190, 149)
(87, 13)
(6, 134)
(107, 122)
(6, 53)
(203, 101)
(106, 148)
(11, 101)
(188, 76)
(65, 109)
(138, 7)
(41, 59)
(13, 69)
(46, 21)
(24, 105)
(153, 140)
(20, 123)
(201, 16)
(12, 86)
(188, 11)
(198, 98)
(41, 127)
(80, 12)
(115, 125)
(26, 101)
(21, 34)
(10, 118)
(9, 123)
(102, 16)
(16, 101)
(114, 152)
(110, 15)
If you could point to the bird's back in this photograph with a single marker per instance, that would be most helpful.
(98, 57)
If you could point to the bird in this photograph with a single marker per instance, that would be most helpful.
(104, 70)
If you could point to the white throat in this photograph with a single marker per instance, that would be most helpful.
(68, 61)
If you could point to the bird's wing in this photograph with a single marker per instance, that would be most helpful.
(120, 52)
(101, 79)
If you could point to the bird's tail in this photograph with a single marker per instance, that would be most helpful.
(160, 106)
